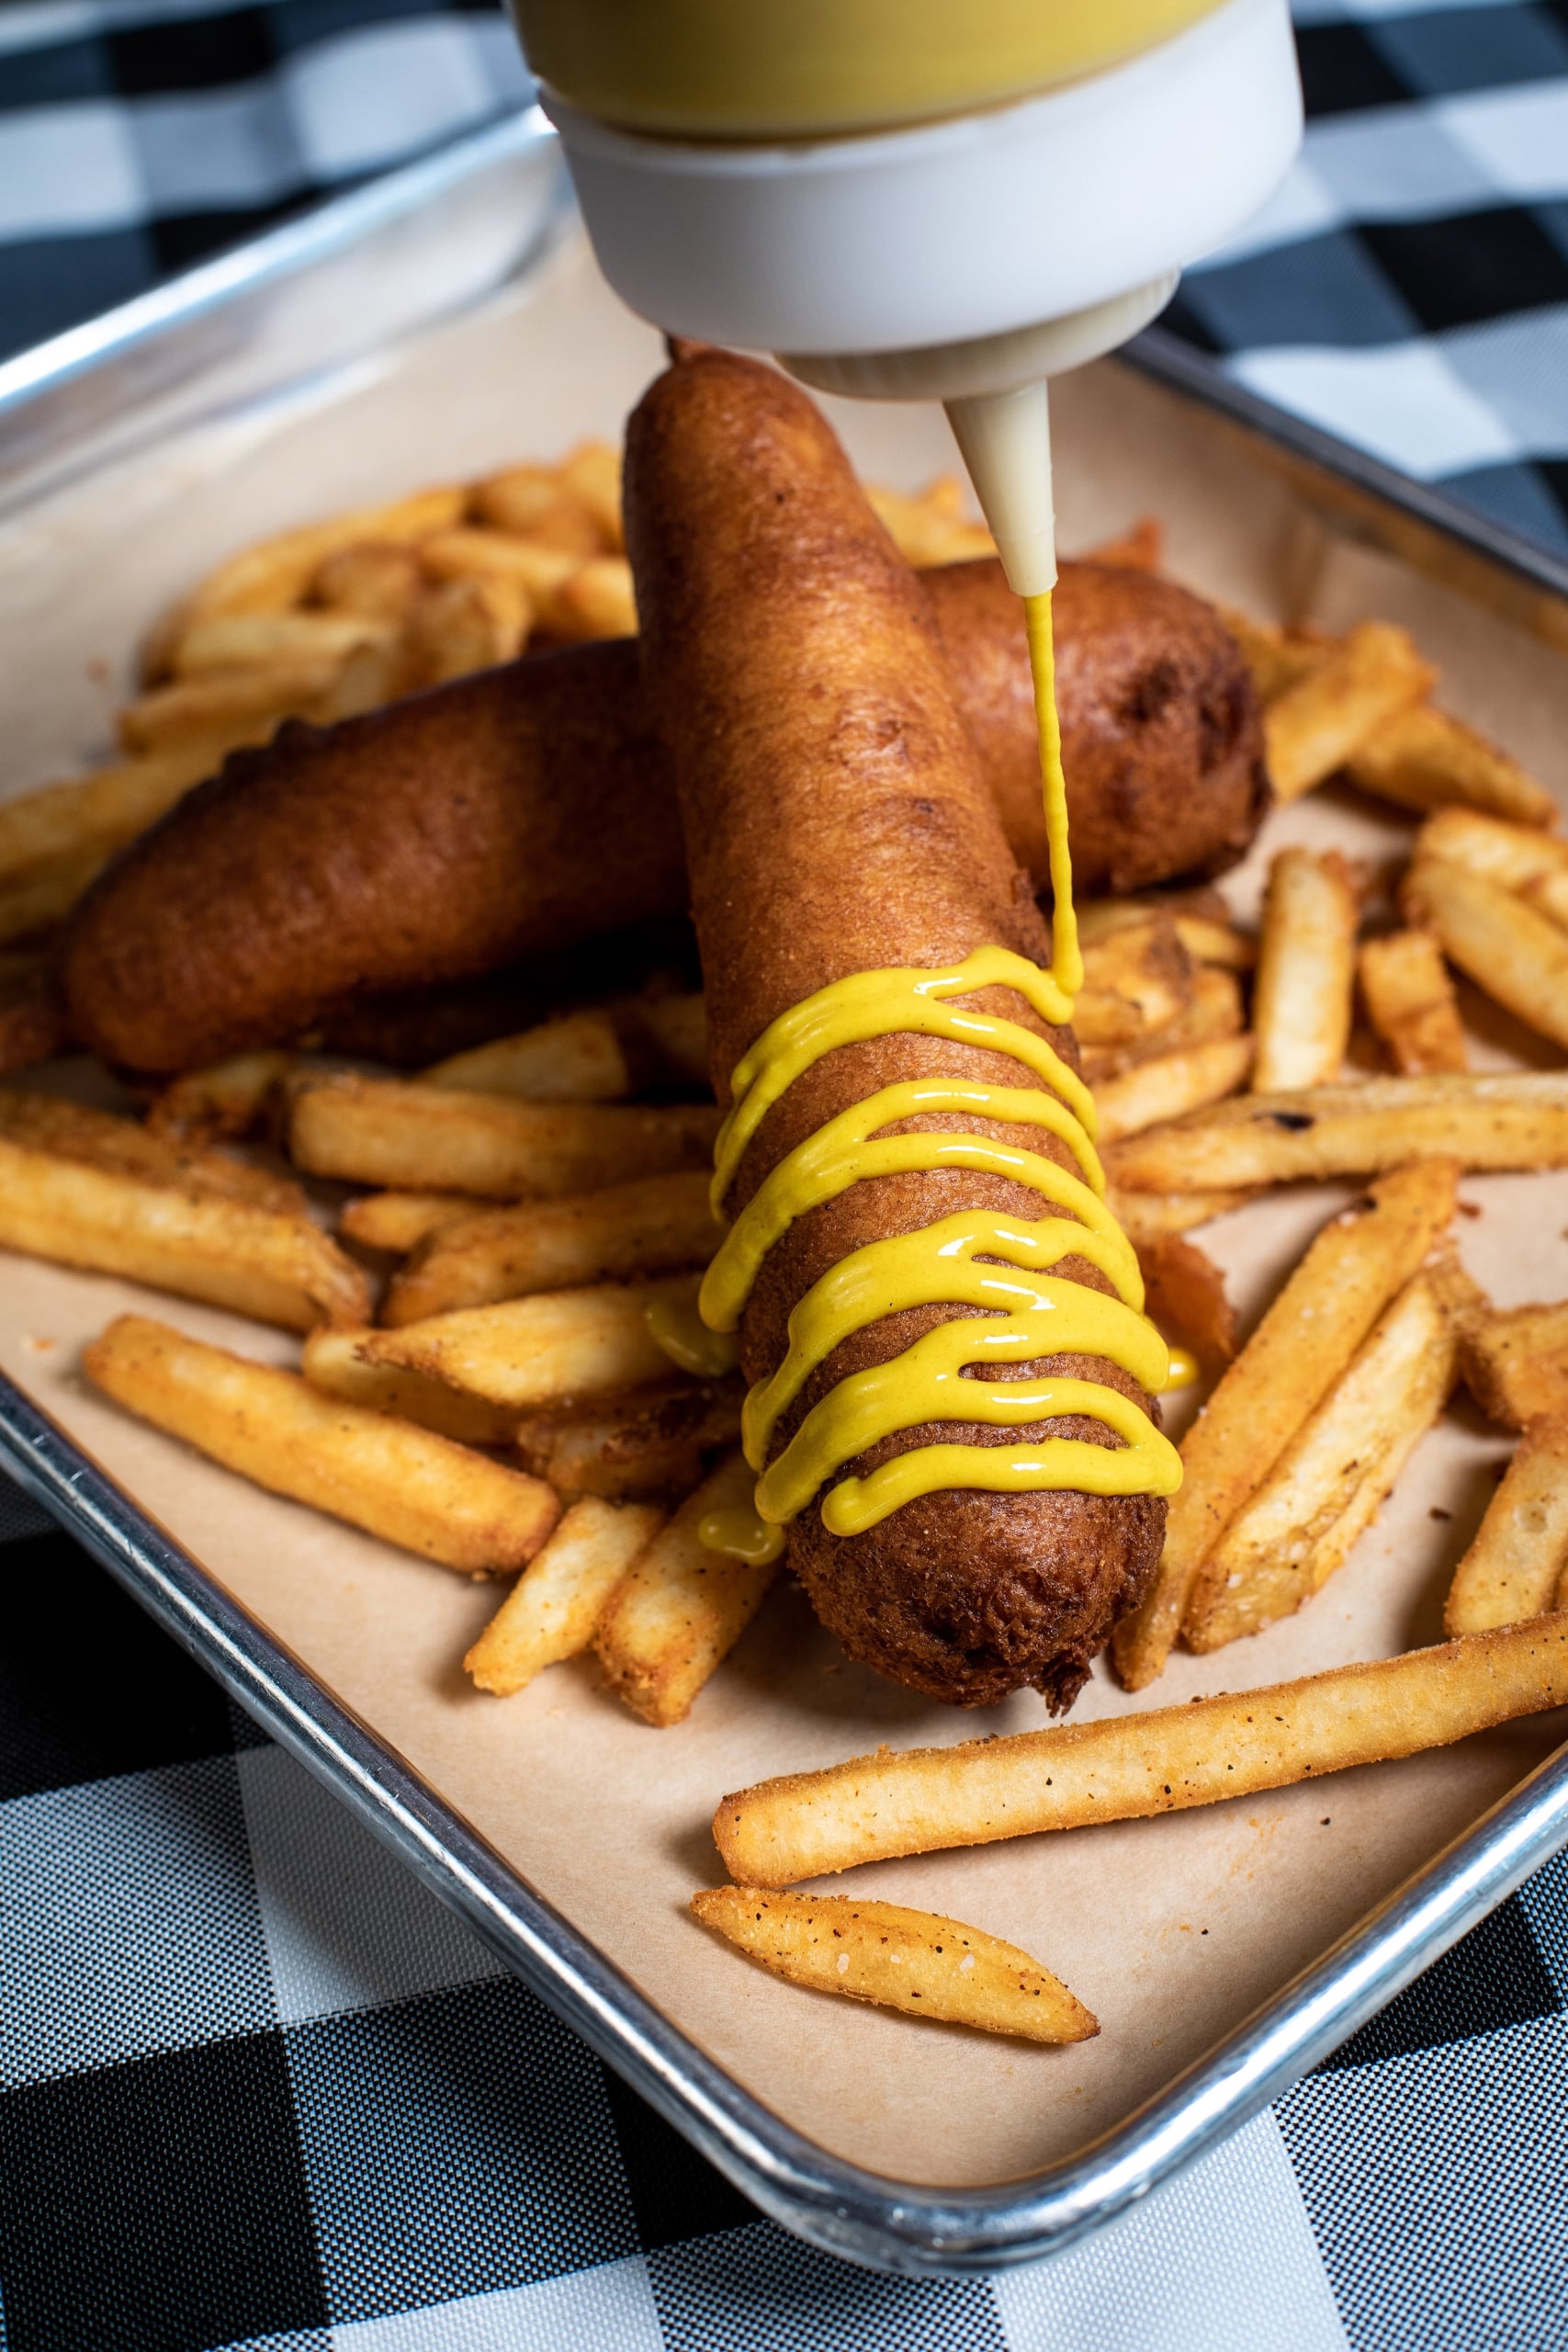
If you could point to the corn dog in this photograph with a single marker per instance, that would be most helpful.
(839, 825)
(522, 811)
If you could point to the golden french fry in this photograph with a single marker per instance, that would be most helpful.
(1423, 759)
(536, 504)
(932, 526)
(401, 1483)
(491, 555)
(1166, 1086)
(228, 1100)
(655, 1225)
(915, 1960)
(596, 600)
(252, 701)
(552, 1609)
(1129, 1768)
(592, 474)
(399, 1221)
(1185, 1293)
(275, 573)
(467, 625)
(1277, 657)
(681, 1608)
(1486, 1119)
(92, 816)
(577, 1058)
(1515, 1567)
(1137, 978)
(1145, 1217)
(653, 1441)
(1306, 968)
(260, 640)
(119, 1147)
(1214, 1010)
(375, 578)
(1515, 1359)
(34, 902)
(551, 1349)
(332, 1363)
(1313, 726)
(1518, 957)
(1521, 857)
(1305, 1340)
(1329, 1484)
(434, 1139)
(1410, 1001)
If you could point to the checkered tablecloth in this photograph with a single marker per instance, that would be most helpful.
(260, 2090)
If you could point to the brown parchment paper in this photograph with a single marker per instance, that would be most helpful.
(1173, 1929)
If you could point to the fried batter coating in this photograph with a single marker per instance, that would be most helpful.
(838, 821)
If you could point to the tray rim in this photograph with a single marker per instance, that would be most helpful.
(842, 2208)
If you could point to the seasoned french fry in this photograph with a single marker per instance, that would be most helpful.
(577, 1058)
(260, 640)
(1128, 1768)
(332, 1363)
(492, 555)
(683, 1607)
(1277, 657)
(551, 1610)
(1515, 1359)
(228, 700)
(592, 472)
(1137, 978)
(534, 503)
(120, 1147)
(399, 1221)
(594, 601)
(1214, 1010)
(914, 1960)
(467, 625)
(650, 1442)
(403, 1484)
(1518, 957)
(1185, 1294)
(1515, 1567)
(1144, 1217)
(1305, 1340)
(1410, 1001)
(1488, 1119)
(226, 1099)
(1423, 759)
(1521, 857)
(1329, 1484)
(92, 816)
(1313, 726)
(655, 1225)
(375, 578)
(931, 526)
(1306, 968)
(1209, 940)
(552, 1348)
(1166, 1087)
(434, 1138)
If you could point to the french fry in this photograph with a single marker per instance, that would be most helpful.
(1137, 978)
(931, 526)
(1306, 970)
(466, 625)
(434, 1138)
(400, 1482)
(1422, 758)
(1277, 657)
(259, 640)
(1517, 955)
(332, 1363)
(592, 472)
(1410, 1001)
(243, 704)
(1129, 1768)
(119, 1147)
(655, 1225)
(225, 1101)
(1327, 1487)
(1358, 1262)
(1213, 1011)
(1185, 1293)
(681, 1608)
(1140, 548)
(1317, 723)
(652, 1441)
(1144, 1217)
(551, 1610)
(1486, 1119)
(1171, 1083)
(577, 1058)
(914, 1960)
(1521, 857)
(399, 1221)
(536, 503)
(594, 601)
(1515, 1359)
(548, 1349)
(679, 1030)
(472, 554)
(1515, 1567)
(31, 904)
(373, 578)
(94, 815)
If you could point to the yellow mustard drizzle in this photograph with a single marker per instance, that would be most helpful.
(998, 1264)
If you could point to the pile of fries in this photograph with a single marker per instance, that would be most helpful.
(490, 1261)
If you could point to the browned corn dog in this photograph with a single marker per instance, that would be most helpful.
(838, 822)
(523, 810)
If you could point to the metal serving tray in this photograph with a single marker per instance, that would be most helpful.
(854, 2212)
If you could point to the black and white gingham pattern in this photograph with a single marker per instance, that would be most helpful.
(257, 2089)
